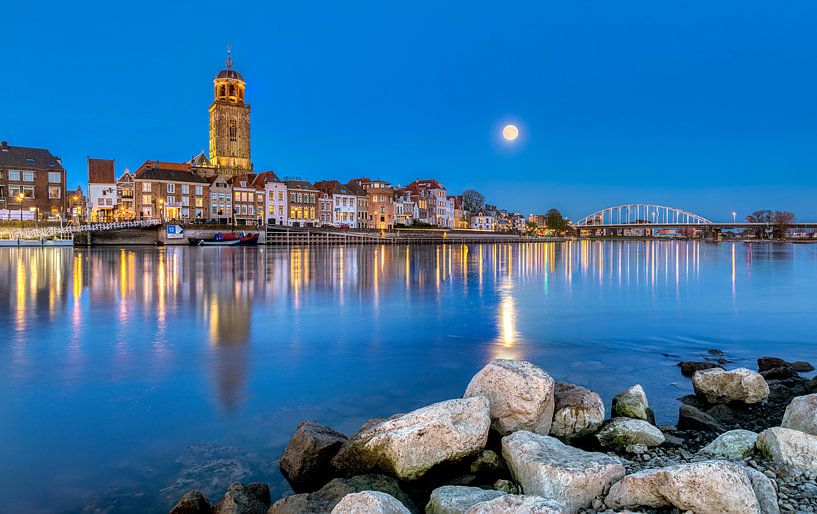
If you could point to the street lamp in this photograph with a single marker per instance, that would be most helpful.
(734, 217)
(161, 209)
(21, 196)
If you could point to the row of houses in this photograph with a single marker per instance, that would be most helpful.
(195, 191)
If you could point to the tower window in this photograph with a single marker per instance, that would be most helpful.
(232, 90)
(223, 90)
(233, 131)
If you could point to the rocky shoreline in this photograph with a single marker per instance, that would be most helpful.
(519, 442)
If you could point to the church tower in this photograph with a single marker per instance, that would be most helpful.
(230, 123)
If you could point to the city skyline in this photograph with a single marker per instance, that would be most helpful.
(617, 110)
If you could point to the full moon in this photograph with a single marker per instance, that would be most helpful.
(510, 132)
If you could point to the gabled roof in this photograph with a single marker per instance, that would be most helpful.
(261, 179)
(418, 185)
(24, 157)
(356, 188)
(299, 184)
(101, 171)
(200, 161)
(170, 171)
(333, 187)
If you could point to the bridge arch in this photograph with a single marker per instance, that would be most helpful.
(641, 214)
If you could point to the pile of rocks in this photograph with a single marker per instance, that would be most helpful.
(519, 442)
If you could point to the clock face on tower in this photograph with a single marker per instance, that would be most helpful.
(230, 123)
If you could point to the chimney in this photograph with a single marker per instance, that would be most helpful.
(4, 146)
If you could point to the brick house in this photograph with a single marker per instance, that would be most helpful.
(302, 204)
(31, 179)
(170, 191)
(381, 202)
(344, 203)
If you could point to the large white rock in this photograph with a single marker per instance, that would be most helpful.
(370, 502)
(517, 504)
(456, 499)
(632, 403)
(520, 395)
(546, 467)
(577, 411)
(408, 445)
(734, 445)
(621, 432)
(801, 414)
(703, 487)
(790, 447)
(720, 386)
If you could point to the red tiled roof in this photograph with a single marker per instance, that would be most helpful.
(101, 171)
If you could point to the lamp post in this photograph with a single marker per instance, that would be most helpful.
(734, 217)
(161, 210)
(21, 196)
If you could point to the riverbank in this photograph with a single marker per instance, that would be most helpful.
(517, 441)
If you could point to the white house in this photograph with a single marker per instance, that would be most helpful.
(276, 200)
(101, 189)
(344, 203)
(483, 221)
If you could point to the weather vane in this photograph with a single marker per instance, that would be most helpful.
(229, 61)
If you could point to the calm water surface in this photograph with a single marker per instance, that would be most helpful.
(130, 375)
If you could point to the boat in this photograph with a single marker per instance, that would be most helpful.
(226, 240)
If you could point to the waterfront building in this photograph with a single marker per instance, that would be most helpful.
(221, 199)
(405, 209)
(380, 197)
(344, 203)
(245, 203)
(125, 209)
(101, 189)
(324, 209)
(362, 203)
(230, 123)
(483, 221)
(302, 203)
(33, 180)
(275, 199)
(432, 199)
(462, 218)
(77, 206)
(170, 191)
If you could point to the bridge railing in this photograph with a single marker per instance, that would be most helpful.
(47, 232)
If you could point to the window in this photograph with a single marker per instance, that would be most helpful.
(56, 192)
(28, 191)
(146, 199)
(233, 128)
(185, 189)
(214, 196)
(54, 177)
(171, 188)
(199, 202)
(146, 188)
(250, 210)
(14, 175)
(281, 196)
(221, 196)
(28, 176)
(171, 199)
(291, 197)
(185, 200)
(214, 209)
(199, 190)
(311, 197)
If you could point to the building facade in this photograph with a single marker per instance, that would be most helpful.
(483, 221)
(380, 197)
(170, 191)
(344, 203)
(230, 124)
(221, 199)
(276, 202)
(101, 189)
(31, 179)
(302, 204)
(432, 200)
(125, 209)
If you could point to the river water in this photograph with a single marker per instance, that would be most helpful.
(130, 375)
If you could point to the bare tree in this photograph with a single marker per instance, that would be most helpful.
(472, 200)
(781, 221)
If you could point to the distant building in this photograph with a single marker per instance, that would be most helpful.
(77, 206)
(101, 189)
(324, 209)
(275, 197)
(462, 218)
(125, 207)
(432, 200)
(31, 179)
(246, 203)
(170, 191)
(380, 202)
(221, 199)
(344, 203)
(483, 221)
(405, 209)
(362, 202)
(303, 203)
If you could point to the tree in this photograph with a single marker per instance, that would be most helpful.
(555, 221)
(781, 221)
(472, 200)
(778, 221)
(764, 216)
(530, 227)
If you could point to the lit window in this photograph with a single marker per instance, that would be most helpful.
(146, 187)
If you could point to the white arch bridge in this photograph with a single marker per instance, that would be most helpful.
(641, 214)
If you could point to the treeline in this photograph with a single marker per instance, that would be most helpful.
(779, 221)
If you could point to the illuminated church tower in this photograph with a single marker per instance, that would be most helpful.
(230, 123)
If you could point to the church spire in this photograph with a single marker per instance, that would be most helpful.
(229, 61)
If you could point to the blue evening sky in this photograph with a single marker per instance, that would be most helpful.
(707, 106)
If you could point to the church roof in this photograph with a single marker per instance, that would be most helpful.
(200, 161)
(229, 74)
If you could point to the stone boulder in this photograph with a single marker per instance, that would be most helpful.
(305, 462)
(708, 486)
(733, 445)
(546, 467)
(737, 385)
(790, 447)
(244, 499)
(456, 499)
(692, 418)
(577, 411)
(781, 373)
(193, 502)
(801, 366)
(327, 497)
(621, 432)
(408, 445)
(688, 368)
(369, 502)
(488, 463)
(767, 363)
(632, 403)
(517, 504)
(520, 395)
(801, 414)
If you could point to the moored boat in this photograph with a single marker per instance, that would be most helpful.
(226, 240)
